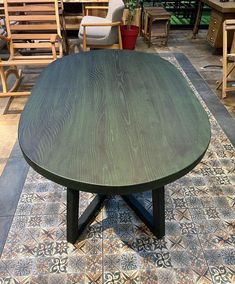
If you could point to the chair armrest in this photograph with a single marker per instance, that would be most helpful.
(112, 24)
(55, 38)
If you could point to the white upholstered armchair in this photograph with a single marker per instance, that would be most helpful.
(100, 32)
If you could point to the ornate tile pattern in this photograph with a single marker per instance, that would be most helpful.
(199, 246)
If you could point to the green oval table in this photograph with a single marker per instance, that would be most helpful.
(113, 122)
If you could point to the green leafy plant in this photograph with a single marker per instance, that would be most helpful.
(131, 5)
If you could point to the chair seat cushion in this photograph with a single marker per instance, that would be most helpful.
(94, 32)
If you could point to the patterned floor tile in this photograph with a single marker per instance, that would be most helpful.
(213, 257)
(173, 228)
(193, 202)
(184, 275)
(7, 267)
(148, 276)
(77, 277)
(119, 277)
(112, 262)
(166, 276)
(16, 280)
(228, 256)
(222, 274)
(94, 278)
(24, 267)
(57, 279)
(180, 259)
(40, 279)
(201, 275)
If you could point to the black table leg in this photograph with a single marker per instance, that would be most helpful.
(72, 214)
(76, 226)
(158, 212)
(155, 222)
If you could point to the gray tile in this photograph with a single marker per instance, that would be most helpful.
(228, 256)
(225, 120)
(180, 259)
(213, 257)
(5, 223)
(16, 151)
(11, 184)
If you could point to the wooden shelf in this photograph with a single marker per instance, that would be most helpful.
(72, 22)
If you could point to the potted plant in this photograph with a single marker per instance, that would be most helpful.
(128, 30)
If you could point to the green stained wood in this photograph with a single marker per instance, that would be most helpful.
(113, 122)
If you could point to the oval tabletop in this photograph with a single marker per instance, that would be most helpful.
(113, 122)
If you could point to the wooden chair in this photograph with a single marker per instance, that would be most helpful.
(36, 31)
(98, 32)
(228, 59)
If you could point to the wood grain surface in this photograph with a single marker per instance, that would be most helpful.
(113, 122)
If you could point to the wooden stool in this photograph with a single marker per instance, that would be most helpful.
(153, 14)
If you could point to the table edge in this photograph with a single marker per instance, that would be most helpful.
(113, 190)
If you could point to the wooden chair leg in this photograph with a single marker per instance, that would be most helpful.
(224, 84)
(225, 61)
(8, 105)
(65, 42)
(18, 74)
(231, 67)
(84, 39)
(53, 49)
(4, 76)
(120, 38)
(3, 79)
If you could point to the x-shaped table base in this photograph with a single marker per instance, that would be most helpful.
(75, 226)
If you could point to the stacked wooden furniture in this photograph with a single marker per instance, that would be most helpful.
(162, 19)
(36, 31)
(228, 58)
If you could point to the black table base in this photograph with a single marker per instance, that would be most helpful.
(75, 226)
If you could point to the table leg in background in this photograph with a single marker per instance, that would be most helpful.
(156, 221)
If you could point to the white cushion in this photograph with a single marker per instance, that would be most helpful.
(95, 32)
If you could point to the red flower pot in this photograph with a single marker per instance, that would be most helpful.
(129, 36)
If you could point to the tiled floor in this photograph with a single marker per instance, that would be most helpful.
(117, 247)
